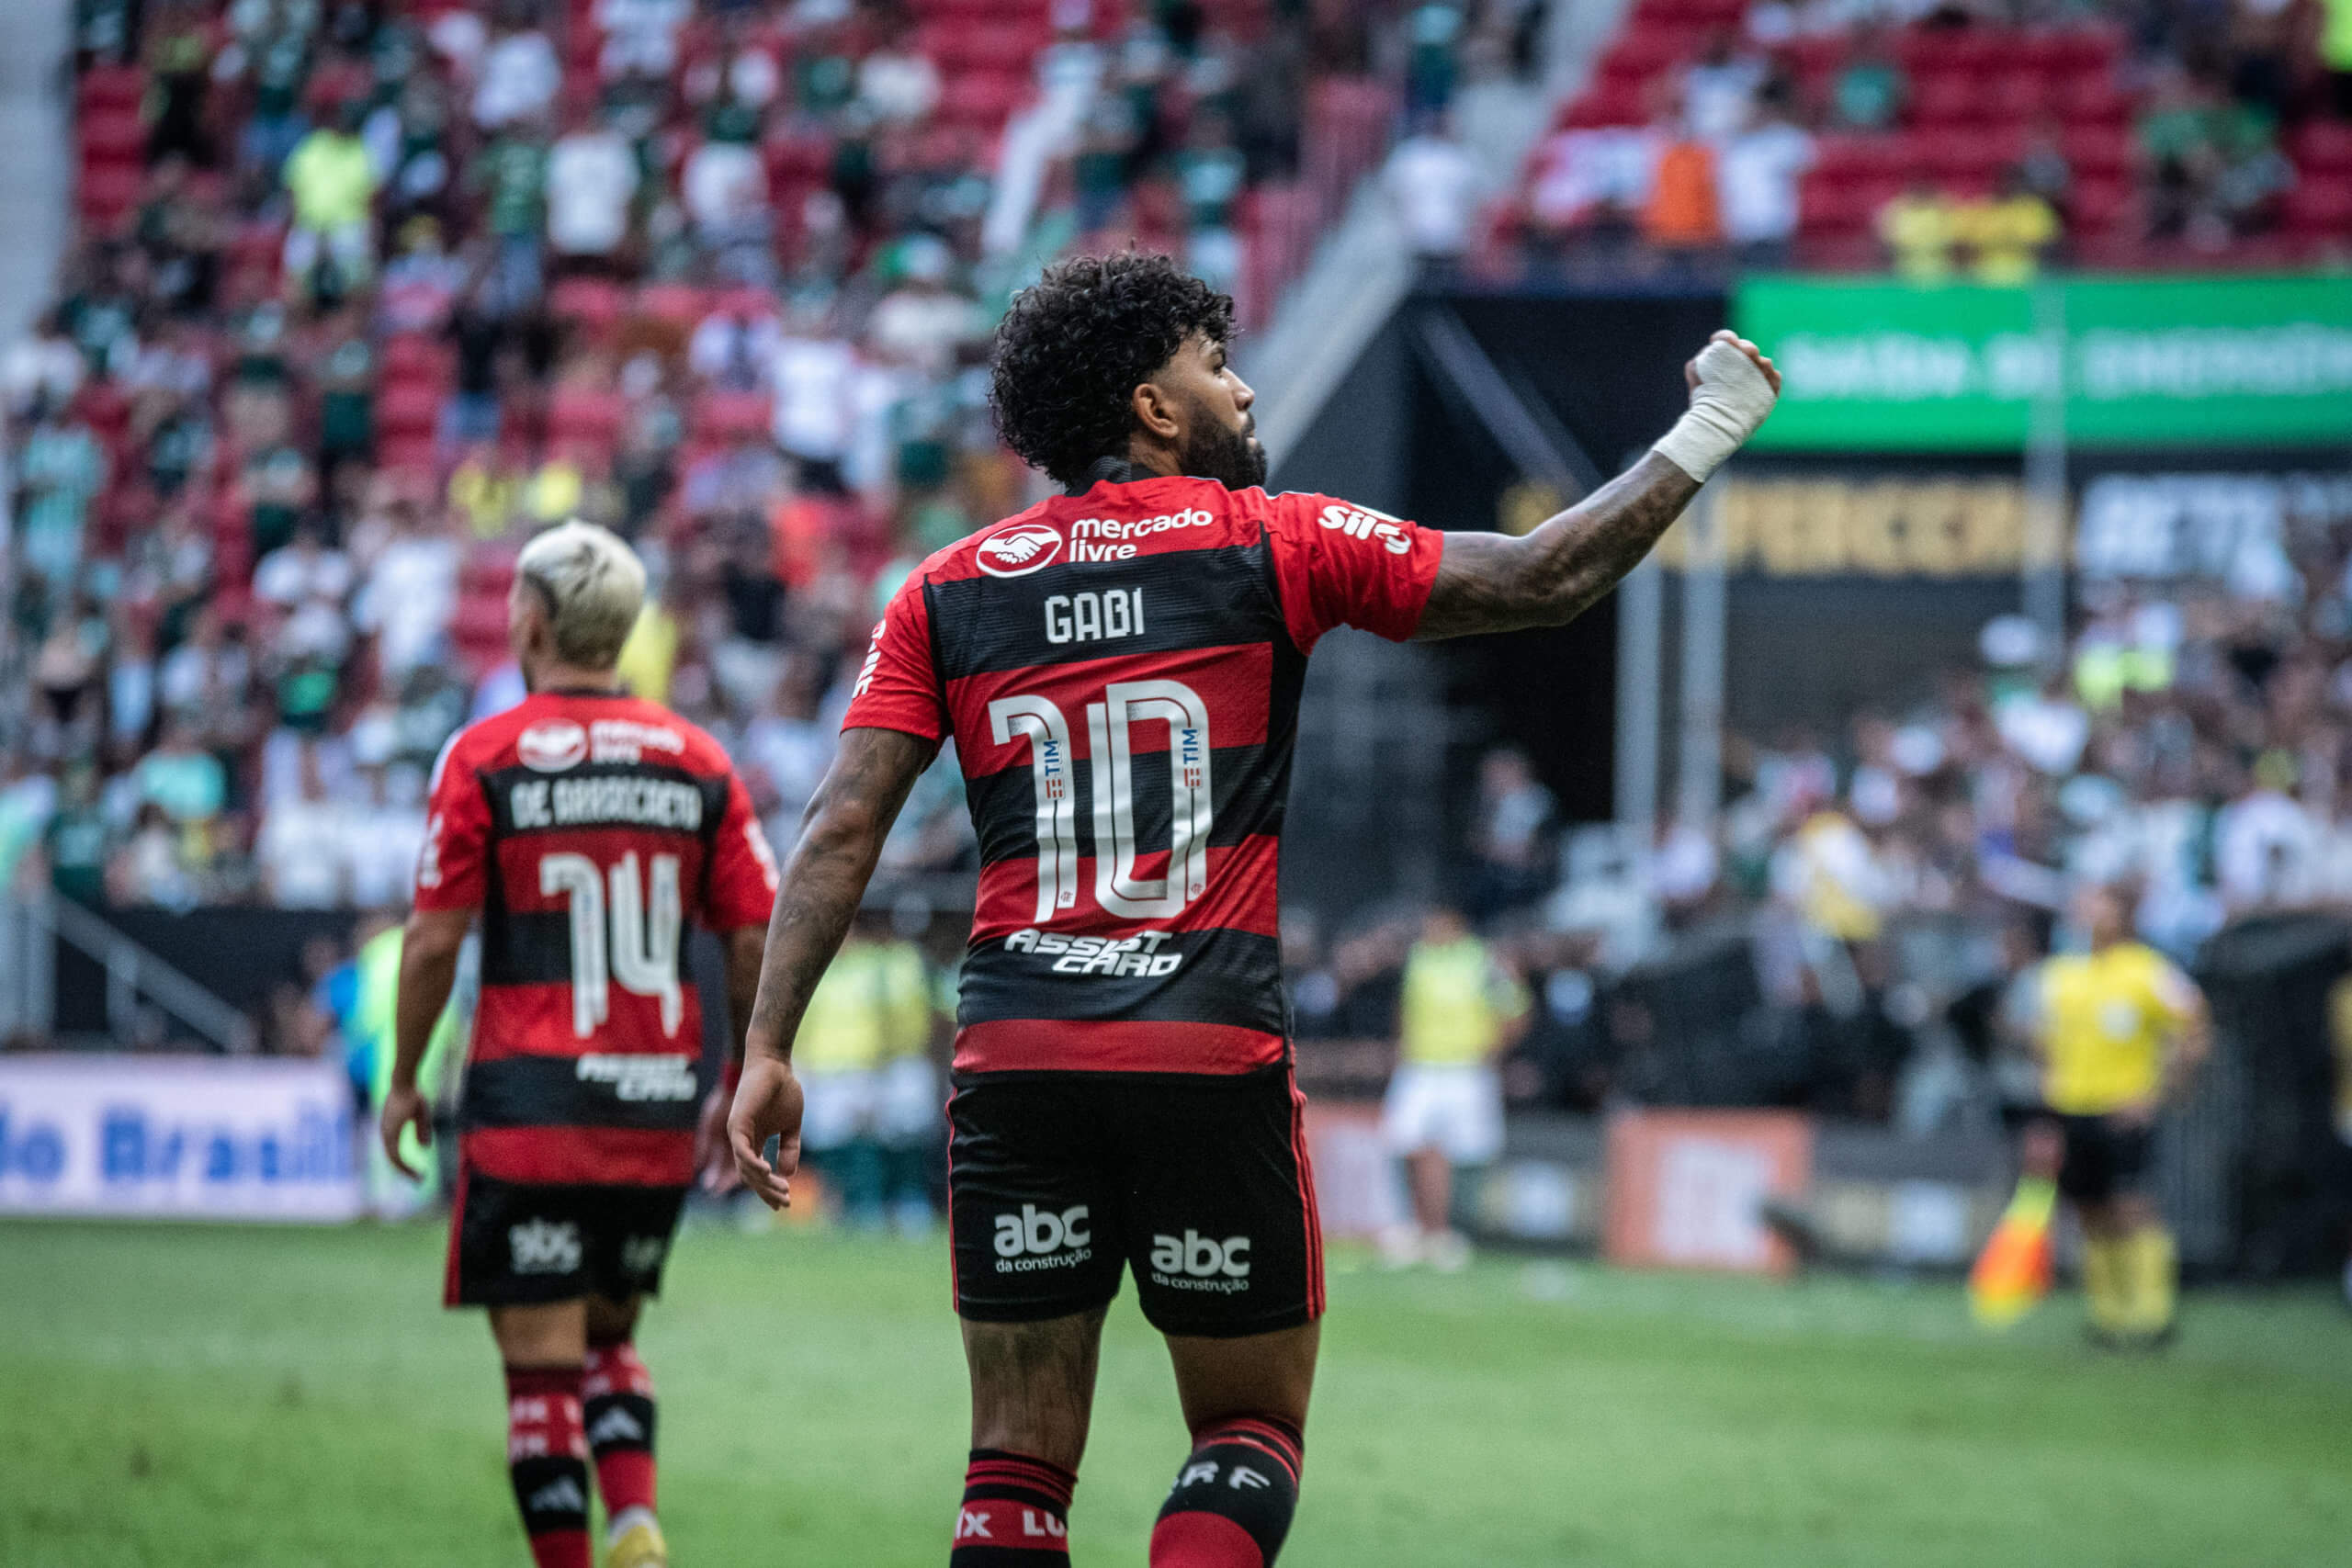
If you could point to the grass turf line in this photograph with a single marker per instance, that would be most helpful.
(234, 1396)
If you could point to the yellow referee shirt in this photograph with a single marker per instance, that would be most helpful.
(1456, 1004)
(2105, 1019)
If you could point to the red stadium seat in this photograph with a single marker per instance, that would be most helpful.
(1950, 97)
(2014, 97)
(2321, 208)
(2104, 206)
(595, 303)
(1971, 156)
(110, 88)
(1638, 56)
(2097, 152)
(677, 304)
(412, 358)
(107, 134)
(580, 414)
(2091, 97)
(982, 98)
(407, 409)
(731, 416)
(2323, 147)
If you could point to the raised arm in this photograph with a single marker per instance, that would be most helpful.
(1493, 582)
(840, 840)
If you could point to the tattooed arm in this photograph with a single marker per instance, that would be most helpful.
(1493, 582)
(840, 840)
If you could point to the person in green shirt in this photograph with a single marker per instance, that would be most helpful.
(511, 173)
(1459, 1010)
(332, 181)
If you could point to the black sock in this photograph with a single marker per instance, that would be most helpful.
(1232, 1502)
(1015, 1513)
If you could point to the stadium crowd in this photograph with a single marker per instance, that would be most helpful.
(1947, 139)
(1882, 883)
(365, 292)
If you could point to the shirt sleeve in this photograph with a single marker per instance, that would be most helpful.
(898, 686)
(1338, 564)
(2175, 993)
(453, 869)
(742, 883)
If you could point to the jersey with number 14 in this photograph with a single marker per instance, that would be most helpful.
(591, 831)
(1120, 670)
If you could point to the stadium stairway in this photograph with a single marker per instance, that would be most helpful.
(1363, 269)
(35, 176)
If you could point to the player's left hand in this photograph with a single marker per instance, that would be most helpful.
(767, 1105)
(1763, 360)
(710, 1143)
(404, 1107)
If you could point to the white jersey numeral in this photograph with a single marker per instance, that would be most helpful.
(647, 919)
(1110, 727)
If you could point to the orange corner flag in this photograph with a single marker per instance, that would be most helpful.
(2013, 1271)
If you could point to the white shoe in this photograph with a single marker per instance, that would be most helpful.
(1400, 1247)
(1448, 1252)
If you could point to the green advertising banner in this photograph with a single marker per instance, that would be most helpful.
(1887, 367)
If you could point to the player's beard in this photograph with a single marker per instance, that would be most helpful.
(1232, 457)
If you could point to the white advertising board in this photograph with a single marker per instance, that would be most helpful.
(175, 1137)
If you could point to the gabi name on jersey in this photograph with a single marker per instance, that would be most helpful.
(634, 802)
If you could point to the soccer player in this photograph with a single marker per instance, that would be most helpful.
(584, 829)
(2118, 1030)
(1119, 666)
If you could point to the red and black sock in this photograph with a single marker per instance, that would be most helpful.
(617, 1402)
(547, 1458)
(1015, 1513)
(1232, 1502)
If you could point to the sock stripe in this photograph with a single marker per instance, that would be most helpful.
(1269, 1437)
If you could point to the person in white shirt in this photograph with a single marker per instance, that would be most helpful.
(1434, 184)
(640, 37)
(897, 84)
(1718, 91)
(1755, 180)
(726, 193)
(300, 848)
(813, 377)
(408, 599)
(519, 78)
(924, 320)
(591, 177)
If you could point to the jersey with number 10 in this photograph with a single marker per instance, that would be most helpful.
(591, 831)
(1120, 670)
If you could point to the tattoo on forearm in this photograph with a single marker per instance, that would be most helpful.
(1491, 582)
(827, 874)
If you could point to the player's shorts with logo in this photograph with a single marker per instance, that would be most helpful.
(514, 1244)
(2104, 1157)
(1058, 1182)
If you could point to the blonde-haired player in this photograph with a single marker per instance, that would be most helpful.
(2118, 1030)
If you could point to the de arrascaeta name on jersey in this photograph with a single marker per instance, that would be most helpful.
(635, 801)
(1139, 954)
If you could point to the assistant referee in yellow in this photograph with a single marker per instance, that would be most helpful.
(2119, 1031)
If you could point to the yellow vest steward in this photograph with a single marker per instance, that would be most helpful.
(2105, 1019)
(872, 1007)
(1456, 1004)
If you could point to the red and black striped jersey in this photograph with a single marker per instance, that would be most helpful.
(1121, 672)
(590, 831)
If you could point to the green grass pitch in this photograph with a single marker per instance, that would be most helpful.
(252, 1397)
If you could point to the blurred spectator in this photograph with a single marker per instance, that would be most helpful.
(1683, 211)
(332, 180)
(1719, 89)
(1434, 185)
(1870, 89)
(1512, 838)
(1757, 171)
(2007, 233)
(592, 180)
(1920, 229)
(518, 75)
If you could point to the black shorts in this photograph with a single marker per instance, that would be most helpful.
(2104, 1157)
(512, 1245)
(1056, 1182)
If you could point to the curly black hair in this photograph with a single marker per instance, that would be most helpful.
(1074, 346)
